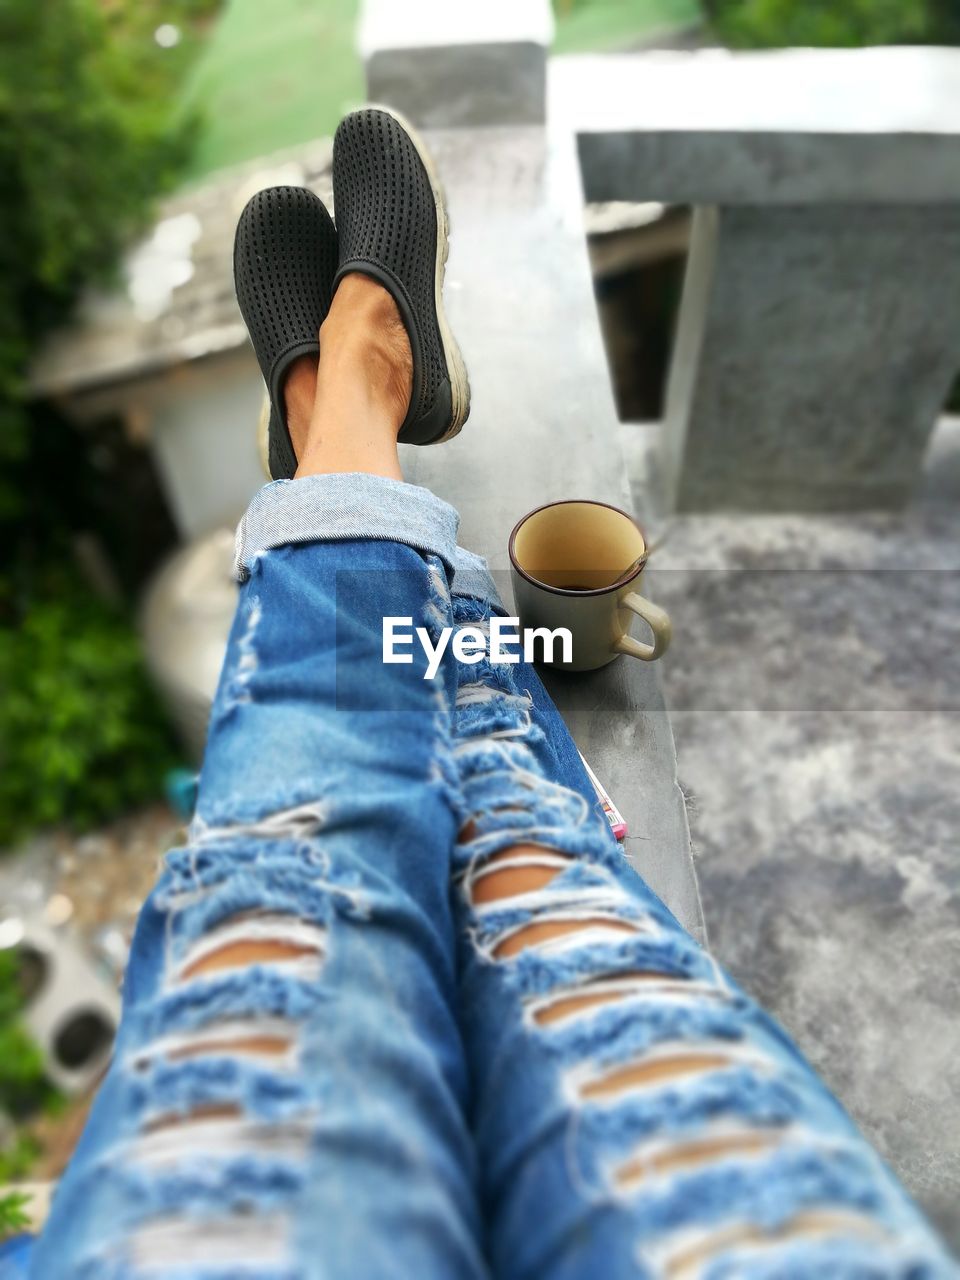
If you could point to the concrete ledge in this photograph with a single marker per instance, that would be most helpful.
(815, 348)
(861, 92)
(454, 86)
(819, 328)
(449, 64)
(709, 167)
(421, 24)
(782, 126)
(543, 427)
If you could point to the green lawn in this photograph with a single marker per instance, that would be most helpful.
(274, 73)
(280, 72)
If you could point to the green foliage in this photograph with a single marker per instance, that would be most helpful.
(13, 1217)
(614, 24)
(90, 130)
(776, 23)
(81, 735)
(18, 1158)
(88, 134)
(273, 75)
(23, 1087)
(23, 1091)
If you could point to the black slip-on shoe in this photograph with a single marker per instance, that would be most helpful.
(392, 226)
(284, 259)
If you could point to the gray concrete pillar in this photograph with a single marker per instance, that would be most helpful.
(820, 323)
(815, 348)
(447, 63)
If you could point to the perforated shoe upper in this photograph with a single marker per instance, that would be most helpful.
(284, 259)
(387, 223)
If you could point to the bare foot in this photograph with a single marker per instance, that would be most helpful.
(299, 393)
(363, 386)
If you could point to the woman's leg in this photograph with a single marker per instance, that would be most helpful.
(287, 1092)
(636, 1114)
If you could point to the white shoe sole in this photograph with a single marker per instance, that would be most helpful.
(456, 368)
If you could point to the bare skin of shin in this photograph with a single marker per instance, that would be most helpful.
(345, 414)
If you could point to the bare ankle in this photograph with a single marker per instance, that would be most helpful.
(299, 393)
(363, 386)
(364, 335)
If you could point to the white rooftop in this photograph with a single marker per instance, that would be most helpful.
(850, 91)
(423, 24)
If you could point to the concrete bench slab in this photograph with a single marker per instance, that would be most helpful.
(543, 427)
(780, 127)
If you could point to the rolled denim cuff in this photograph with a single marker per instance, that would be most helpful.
(344, 506)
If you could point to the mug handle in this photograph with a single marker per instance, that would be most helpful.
(657, 619)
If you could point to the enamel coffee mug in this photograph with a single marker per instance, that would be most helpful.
(578, 565)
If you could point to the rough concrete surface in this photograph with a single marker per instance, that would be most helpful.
(773, 126)
(809, 179)
(520, 300)
(776, 399)
(814, 686)
(450, 65)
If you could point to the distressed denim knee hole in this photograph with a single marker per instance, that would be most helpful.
(246, 1046)
(241, 1241)
(567, 1003)
(690, 1262)
(258, 1035)
(691, 1155)
(471, 830)
(544, 933)
(655, 1071)
(515, 871)
(236, 955)
(250, 938)
(200, 1114)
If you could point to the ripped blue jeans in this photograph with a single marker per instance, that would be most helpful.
(401, 1008)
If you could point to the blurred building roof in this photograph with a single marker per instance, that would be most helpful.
(174, 299)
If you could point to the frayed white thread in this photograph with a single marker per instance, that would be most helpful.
(481, 859)
(534, 782)
(578, 1080)
(217, 1039)
(220, 1137)
(298, 968)
(167, 1247)
(663, 989)
(518, 731)
(476, 694)
(685, 1252)
(355, 898)
(300, 822)
(595, 900)
(615, 928)
(475, 874)
(274, 927)
(640, 1166)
